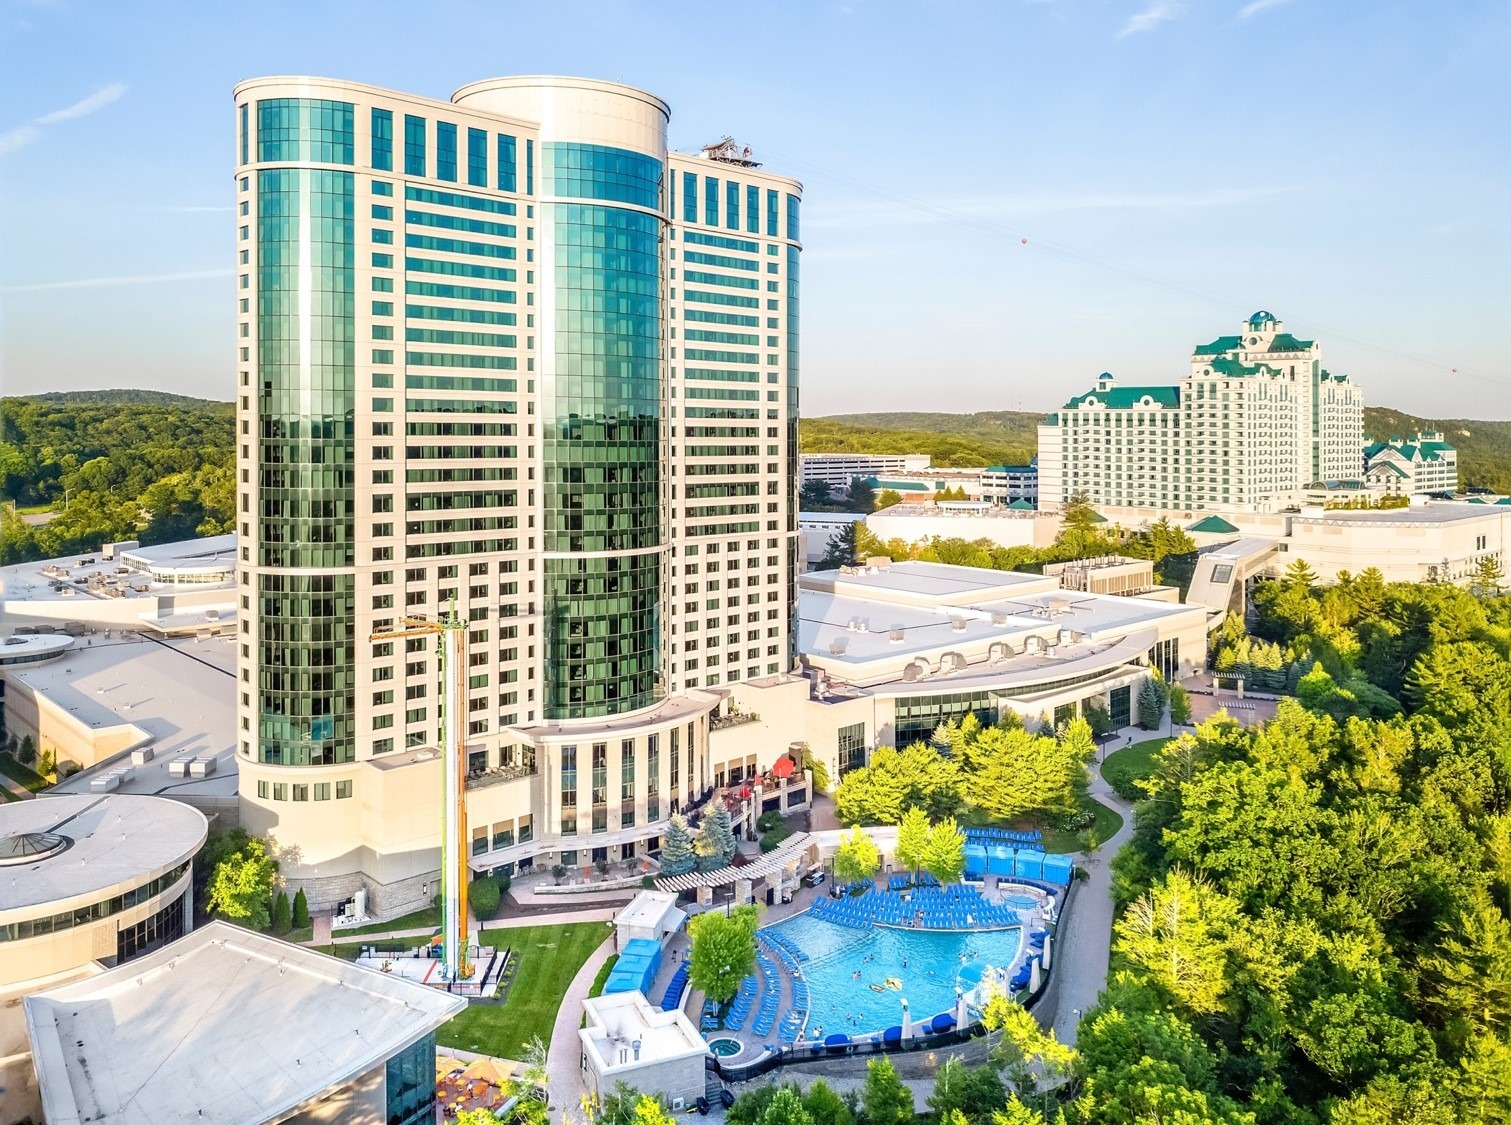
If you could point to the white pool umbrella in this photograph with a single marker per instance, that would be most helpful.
(907, 1020)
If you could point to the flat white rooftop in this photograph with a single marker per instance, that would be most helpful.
(616, 1023)
(223, 1025)
(189, 552)
(825, 622)
(111, 841)
(1445, 512)
(646, 909)
(180, 691)
(923, 582)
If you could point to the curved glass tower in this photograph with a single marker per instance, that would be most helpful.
(505, 353)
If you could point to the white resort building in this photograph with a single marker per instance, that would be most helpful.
(1257, 420)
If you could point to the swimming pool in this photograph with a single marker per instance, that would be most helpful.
(926, 962)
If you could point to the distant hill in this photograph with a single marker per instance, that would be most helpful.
(993, 437)
(124, 396)
(996, 437)
(1484, 446)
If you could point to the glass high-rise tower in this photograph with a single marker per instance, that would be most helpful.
(510, 352)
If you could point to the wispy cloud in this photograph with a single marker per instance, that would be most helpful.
(1154, 14)
(100, 282)
(23, 135)
(1254, 7)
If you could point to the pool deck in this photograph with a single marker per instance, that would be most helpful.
(992, 890)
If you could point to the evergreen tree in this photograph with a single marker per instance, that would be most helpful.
(677, 856)
(282, 915)
(715, 845)
(1487, 576)
(841, 549)
(1151, 705)
(1180, 706)
(301, 910)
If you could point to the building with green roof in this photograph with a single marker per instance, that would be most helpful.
(1420, 465)
(1255, 422)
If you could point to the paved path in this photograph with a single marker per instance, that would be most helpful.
(564, 1056)
(21, 792)
(561, 919)
(1084, 942)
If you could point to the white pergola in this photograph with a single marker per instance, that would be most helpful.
(789, 853)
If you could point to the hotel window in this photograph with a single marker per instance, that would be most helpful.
(382, 140)
(506, 176)
(477, 157)
(414, 145)
(445, 151)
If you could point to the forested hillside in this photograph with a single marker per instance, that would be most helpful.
(89, 467)
(949, 449)
(996, 437)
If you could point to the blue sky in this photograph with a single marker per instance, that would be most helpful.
(1172, 165)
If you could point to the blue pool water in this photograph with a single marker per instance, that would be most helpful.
(842, 1004)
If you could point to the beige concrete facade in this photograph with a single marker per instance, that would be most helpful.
(439, 405)
(915, 523)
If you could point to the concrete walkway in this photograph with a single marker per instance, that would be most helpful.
(564, 1054)
(1084, 940)
(560, 919)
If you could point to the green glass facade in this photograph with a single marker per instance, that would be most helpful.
(305, 376)
(600, 405)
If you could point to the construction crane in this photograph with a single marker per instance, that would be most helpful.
(449, 631)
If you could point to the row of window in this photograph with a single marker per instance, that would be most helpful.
(94, 912)
(303, 790)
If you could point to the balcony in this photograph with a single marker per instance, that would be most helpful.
(733, 719)
(500, 776)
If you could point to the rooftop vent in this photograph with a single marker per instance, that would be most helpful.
(837, 646)
(999, 619)
(957, 624)
(895, 636)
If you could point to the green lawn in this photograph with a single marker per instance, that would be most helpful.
(548, 958)
(1107, 824)
(30, 779)
(599, 981)
(1132, 763)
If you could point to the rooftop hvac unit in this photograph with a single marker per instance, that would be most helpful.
(201, 767)
(999, 619)
(837, 646)
(957, 624)
(895, 636)
(863, 626)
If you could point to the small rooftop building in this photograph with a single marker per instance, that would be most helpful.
(627, 1040)
(651, 915)
(233, 1027)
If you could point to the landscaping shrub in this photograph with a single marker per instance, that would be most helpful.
(484, 896)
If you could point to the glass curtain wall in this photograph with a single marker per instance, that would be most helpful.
(600, 404)
(305, 379)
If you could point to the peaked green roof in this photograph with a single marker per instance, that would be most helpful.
(1021, 505)
(1392, 466)
(1213, 525)
(1232, 367)
(1125, 398)
(1285, 342)
(1097, 517)
(1504, 500)
(1219, 345)
(1476, 500)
